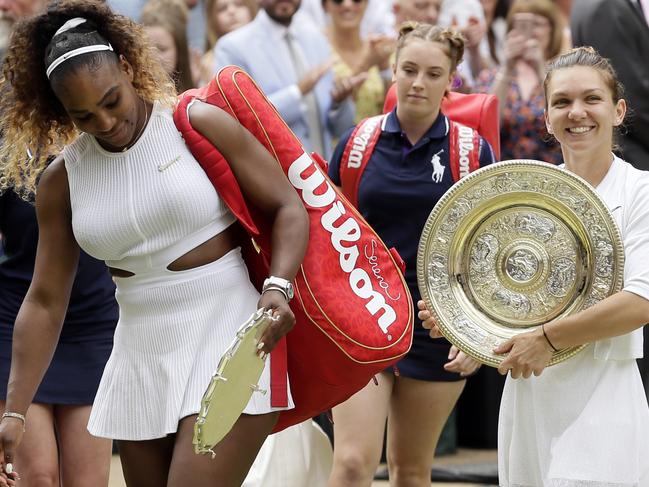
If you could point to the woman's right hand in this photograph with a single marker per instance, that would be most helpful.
(461, 363)
(379, 51)
(11, 434)
(347, 86)
(427, 320)
(283, 320)
(311, 77)
(534, 56)
(513, 50)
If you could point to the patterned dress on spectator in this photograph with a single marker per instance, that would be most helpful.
(523, 134)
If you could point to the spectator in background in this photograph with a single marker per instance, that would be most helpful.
(222, 17)
(354, 55)
(12, 11)
(565, 7)
(458, 12)
(195, 23)
(425, 11)
(291, 62)
(493, 44)
(534, 35)
(165, 22)
(467, 16)
(378, 18)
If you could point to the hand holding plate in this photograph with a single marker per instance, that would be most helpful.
(283, 320)
(527, 354)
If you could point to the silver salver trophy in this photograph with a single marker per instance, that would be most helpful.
(512, 246)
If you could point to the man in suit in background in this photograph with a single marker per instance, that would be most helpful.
(618, 30)
(290, 60)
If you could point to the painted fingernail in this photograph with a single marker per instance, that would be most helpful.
(260, 345)
(262, 355)
(9, 468)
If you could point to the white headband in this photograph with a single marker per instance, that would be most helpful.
(70, 24)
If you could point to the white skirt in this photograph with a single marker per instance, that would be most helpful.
(582, 423)
(173, 329)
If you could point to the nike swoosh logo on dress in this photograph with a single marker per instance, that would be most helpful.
(164, 166)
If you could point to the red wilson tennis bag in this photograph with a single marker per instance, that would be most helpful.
(354, 314)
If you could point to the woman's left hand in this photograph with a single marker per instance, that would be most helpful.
(284, 322)
(346, 86)
(461, 363)
(527, 354)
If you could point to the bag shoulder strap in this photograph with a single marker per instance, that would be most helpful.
(212, 161)
(464, 146)
(357, 153)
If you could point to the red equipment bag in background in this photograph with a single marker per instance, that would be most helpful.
(354, 314)
(476, 110)
(464, 148)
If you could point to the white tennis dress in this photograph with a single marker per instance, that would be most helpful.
(140, 210)
(585, 422)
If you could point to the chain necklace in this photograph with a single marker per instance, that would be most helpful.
(139, 134)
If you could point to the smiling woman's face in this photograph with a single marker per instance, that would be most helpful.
(581, 112)
(346, 13)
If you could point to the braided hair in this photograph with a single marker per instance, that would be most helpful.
(452, 40)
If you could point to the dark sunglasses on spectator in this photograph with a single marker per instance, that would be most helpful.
(339, 2)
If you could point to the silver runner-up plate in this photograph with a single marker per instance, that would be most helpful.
(512, 246)
(232, 385)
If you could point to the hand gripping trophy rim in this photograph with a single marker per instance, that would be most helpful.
(233, 383)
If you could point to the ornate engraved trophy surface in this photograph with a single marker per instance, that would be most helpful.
(512, 246)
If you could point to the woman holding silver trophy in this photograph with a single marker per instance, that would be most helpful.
(584, 421)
